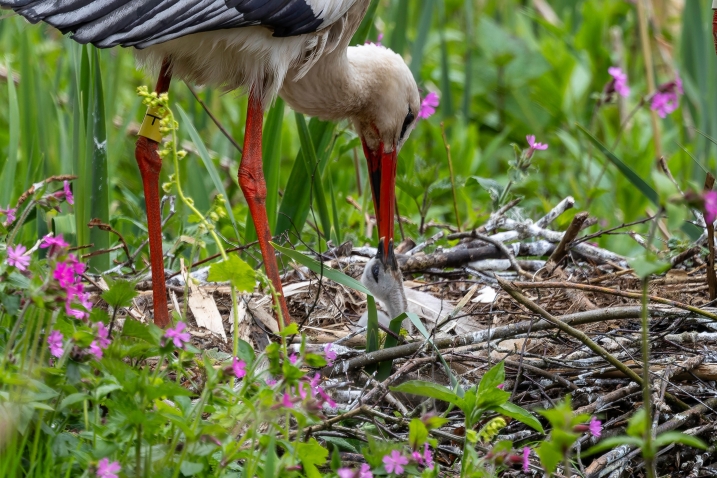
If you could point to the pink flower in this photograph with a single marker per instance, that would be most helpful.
(533, 145)
(429, 105)
(595, 427)
(105, 469)
(710, 198)
(76, 291)
(50, 241)
(526, 459)
(329, 354)
(239, 367)
(178, 337)
(378, 40)
(64, 274)
(286, 401)
(54, 341)
(394, 462)
(95, 350)
(619, 81)
(77, 266)
(270, 382)
(293, 358)
(68, 193)
(667, 99)
(363, 472)
(427, 456)
(103, 335)
(9, 213)
(16, 258)
(500, 386)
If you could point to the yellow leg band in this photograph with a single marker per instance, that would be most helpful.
(150, 125)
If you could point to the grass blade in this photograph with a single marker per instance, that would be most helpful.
(208, 164)
(97, 142)
(419, 45)
(631, 175)
(272, 158)
(8, 171)
(311, 162)
(364, 29)
(399, 34)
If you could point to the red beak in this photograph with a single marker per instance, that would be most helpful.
(382, 171)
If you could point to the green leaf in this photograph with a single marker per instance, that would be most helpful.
(148, 333)
(518, 413)
(233, 270)
(245, 352)
(8, 179)
(120, 293)
(428, 389)
(322, 269)
(492, 379)
(417, 433)
(549, 456)
(631, 175)
(71, 400)
(190, 469)
(668, 438)
(312, 455)
(645, 267)
(636, 424)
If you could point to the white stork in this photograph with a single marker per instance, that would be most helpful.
(297, 49)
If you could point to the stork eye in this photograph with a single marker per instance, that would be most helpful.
(407, 122)
(374, 272)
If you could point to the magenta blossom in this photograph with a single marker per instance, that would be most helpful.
(105, 469)
(363, 472)
(77, 266)
(429, 105)
(667, 98)
(53, 241)
(64, 274)
(293, 358)
(271, 382)
(103, 335)
(9, 213)
(239, 367)
(177, 336)
(76, 291)
(68, 193)
(500, 386)
(526, 459)
(710, 198)
(329, 354)
(619, 81)
(54, 342)
(425, 458)
(378, 40)
(95, 350)
(16, 257)
(595, 427)
(286, 401)
(394, 462)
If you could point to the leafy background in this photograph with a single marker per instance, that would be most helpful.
(503, 69)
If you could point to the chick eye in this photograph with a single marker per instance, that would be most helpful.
(374, 272)
(407, 122)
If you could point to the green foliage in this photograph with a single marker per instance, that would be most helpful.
(234, 270)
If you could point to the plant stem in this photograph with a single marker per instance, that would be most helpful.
(453, 178)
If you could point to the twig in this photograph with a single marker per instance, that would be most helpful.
(489, 225)
(506, 252)
(63, 177)
(570, 234)
(587, 341)
(107, 228)
(620, 293)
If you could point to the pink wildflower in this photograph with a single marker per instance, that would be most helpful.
(95, 350)
(595, 427)
(16, 257)
(53, 241)
(500, 386)
(9, 213)
(286, 401)
(76, 291)
(429, 105)
(667, 99)
(365, 471)
(526, 459)
(68, 193)
(427, 456)
(239, 367)
(378, 40)
(103, 335)
(293, 358)
(619, 81)
(64, 274)
(329, 354)
(178, 337)
(710, 198)
(394, 462)
(270, 382)
(533, 145)
(54, 341)
(105, 469)
(77, 266)
(346, 473)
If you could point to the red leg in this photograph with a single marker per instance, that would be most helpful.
(251, 181)
(150, 165)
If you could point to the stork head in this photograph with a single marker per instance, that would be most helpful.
(388, 113)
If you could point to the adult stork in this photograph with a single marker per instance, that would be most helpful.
(298, 49)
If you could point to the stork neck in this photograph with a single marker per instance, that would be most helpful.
(333, 90)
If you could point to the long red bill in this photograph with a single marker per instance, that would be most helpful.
(382, 171)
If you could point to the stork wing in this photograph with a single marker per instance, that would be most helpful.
(142, 23)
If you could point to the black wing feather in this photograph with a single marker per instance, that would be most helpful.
(142, 23)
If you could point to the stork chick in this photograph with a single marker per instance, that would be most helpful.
(383, 278)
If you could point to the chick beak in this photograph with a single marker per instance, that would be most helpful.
(387, 255)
